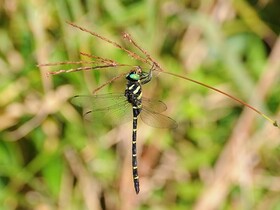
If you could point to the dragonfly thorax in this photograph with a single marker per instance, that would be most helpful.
(133, 92)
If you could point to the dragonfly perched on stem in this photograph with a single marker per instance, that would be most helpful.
(118, 105)
(148, 110)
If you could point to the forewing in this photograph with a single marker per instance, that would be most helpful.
(104, 107)
(99, 102)
(157, 120)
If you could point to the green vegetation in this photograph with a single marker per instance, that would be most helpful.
(221, 156)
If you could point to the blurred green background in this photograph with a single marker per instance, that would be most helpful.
(221, 156)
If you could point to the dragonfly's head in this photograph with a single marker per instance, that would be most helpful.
(133, 76)
(137, 74)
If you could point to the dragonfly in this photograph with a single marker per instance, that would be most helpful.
(148, 110)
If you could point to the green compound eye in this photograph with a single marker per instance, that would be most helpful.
(134, 76)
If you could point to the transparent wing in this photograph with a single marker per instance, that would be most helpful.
(116, 115)
(157, 120)
(113, 100)
(99, 102)
(112, 107)
(154, 105)
(115, 108)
